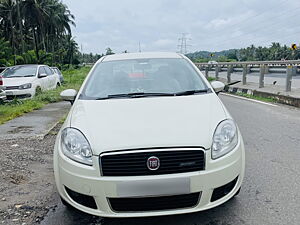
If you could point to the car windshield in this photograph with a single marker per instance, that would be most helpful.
(20, 71)
(126, 78)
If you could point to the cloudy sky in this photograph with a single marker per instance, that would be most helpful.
(211, 25)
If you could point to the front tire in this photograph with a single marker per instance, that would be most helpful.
(38, 91)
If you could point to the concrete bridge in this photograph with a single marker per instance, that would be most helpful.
(290, 68)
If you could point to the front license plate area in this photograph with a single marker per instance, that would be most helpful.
(9, 93)
(174, 186)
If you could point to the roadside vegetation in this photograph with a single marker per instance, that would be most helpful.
(275, 51)
(36, 32)
(259, 98)
(73, 79)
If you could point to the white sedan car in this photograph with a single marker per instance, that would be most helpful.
(24, 81)
(147, 136)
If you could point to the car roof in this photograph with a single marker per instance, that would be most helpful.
(142, 55)
(27, 65)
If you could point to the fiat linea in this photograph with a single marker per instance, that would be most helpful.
(147, 135)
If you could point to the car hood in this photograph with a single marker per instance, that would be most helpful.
(118, 124)
(14, 81)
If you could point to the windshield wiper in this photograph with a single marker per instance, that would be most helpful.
(135, 95)
(191, 92)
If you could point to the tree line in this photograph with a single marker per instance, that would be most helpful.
(36, 31)
(275, 51)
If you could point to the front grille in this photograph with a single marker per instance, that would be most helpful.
(154, 203)
(11, 87)
(12, 97)
(135, 164)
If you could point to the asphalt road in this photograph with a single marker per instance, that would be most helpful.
(271, 190)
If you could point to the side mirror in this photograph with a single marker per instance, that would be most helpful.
(217, 86)
(69, 95)
(42, 75)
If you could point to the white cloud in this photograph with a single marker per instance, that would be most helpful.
(157, 24)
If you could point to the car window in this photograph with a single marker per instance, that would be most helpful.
(20, 71)
(48, 71)
(142, 75)
(58, 71)
(42, 70)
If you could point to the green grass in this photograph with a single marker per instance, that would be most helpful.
(73, 80)
(210, 79)
(264, 99)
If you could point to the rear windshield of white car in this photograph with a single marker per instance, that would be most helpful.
(168, 76)
(20, 71)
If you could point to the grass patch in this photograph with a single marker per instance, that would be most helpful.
(73, 80)
(210, 79)
(264, 99)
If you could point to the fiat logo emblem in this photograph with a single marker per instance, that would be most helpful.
(153, 163)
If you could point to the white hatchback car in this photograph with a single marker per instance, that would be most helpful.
(147, 136)
(24, 81)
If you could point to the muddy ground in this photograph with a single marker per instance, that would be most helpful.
(26, 178)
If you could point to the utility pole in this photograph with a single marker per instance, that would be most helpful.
(82, 56)
(140, 49)
(183, 43)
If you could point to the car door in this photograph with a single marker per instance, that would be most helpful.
(42, 78)
(51, 78)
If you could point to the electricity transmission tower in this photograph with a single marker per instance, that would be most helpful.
(183, 43)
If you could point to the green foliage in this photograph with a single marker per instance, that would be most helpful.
(109, 51)
(36, 31)
(264, 99)
(274, 52)
(5, 52)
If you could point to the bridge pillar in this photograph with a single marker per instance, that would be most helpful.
(206, 72)
(290, 72)
(217, 72)
(229, 71)
(262, 76)
(248, 69)
(266, 69)
(230, 68)
(245, 71)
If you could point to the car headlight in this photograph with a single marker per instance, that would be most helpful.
(76, 147)
(25, 86)
(225, 139)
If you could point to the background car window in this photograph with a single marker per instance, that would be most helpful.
(145, 75)
(56, 70)
(20, 71)
(42, 70)
(48, 71)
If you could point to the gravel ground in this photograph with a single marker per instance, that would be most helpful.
(26, 178)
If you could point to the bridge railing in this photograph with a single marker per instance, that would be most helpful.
(289, 67)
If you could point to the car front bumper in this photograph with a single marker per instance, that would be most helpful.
(2, 95)
(87, 180)
(25, 93)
